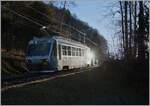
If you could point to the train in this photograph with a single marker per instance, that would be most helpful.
(57, 53)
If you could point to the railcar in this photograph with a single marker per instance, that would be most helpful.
(57, 53)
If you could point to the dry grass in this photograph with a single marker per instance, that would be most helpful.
(12, 64)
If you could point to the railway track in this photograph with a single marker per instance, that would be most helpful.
(32, 78)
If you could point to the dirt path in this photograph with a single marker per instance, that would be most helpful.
(91, 87)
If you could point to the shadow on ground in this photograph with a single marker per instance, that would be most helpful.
(109, 84)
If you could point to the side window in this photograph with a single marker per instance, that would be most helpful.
(73, 51)
(79, 52)
(69, 51)
(64, 49)
(59, 48)
(82, 52)
(76, 51)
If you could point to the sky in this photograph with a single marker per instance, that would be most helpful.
(98, 14)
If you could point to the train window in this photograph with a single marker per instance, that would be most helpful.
(83, 52)
(73, 51)
(69, 50)
(79, 52)
(64, 49)
(59, 47)
(76, 52)
(39, 49)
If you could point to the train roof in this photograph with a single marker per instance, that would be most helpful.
(68, 41)
(59, 39)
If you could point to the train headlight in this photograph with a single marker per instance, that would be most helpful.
(45, 61)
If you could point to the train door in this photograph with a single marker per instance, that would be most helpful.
(69, 63)
(59, 56)
(54, 61)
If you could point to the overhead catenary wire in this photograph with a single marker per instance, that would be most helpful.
(41, 25)
(14, 12)
(23, 16)
(63, 24)
(57, 20)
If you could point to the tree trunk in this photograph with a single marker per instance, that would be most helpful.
(126, 29)
(135, 29)
(122, 25)
(141, 50)
(130, 25)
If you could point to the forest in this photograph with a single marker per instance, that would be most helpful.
(38, 14)
(120, 77)
(21, 21)
(134, 30)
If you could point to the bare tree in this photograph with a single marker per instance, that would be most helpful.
(122, 24)
(141, 32)
(135, 28)
(126, 28)
(130, 25)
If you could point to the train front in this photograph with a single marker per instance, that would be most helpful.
(37, 55)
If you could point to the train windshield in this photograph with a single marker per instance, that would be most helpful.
(39, 49)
